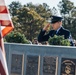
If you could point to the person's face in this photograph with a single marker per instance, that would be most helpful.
(56, 25)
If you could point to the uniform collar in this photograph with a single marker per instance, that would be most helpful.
(58, 29)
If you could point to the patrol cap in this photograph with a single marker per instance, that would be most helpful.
(55, 19)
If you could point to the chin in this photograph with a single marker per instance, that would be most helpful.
(54, 29)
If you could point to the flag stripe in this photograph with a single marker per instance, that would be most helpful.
(2, 71)
(3, 9)
(2, 2)
(4, 31)
(5, 19)
(4, 16)
(5, 27)
(6, 23)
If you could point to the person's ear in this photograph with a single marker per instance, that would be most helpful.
(60, 22)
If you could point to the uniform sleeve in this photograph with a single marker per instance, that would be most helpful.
(42, 36)
(71, 40)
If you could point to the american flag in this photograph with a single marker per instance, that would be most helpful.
(5, 27)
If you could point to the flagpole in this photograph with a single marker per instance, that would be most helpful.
(3, 64)
(1, 39)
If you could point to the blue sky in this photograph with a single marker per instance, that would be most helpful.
(51, 3)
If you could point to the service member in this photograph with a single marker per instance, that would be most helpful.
(58, 29)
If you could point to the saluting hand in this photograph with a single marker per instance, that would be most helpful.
(46, 27)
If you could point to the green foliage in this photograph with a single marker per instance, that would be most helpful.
(27, 19)
(73, 28)
(68, 11)
(65, 6)
(42, 9)
(30, 18)
(14, 7)
(29, 22)
(59, 40)
(16, 37)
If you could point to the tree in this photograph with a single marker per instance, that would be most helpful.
(29, 22)
(14, 7)
(54, 11)
(65, 6)
(73, 28)
(43, 10)
(66, 9)
(73, 12)
(28, 19)
(16, 37)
